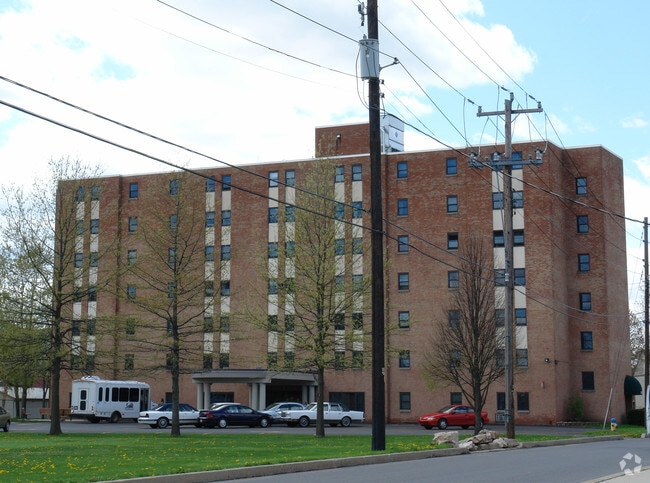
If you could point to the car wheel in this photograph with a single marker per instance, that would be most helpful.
(162, 423)
(222, 423)
(264, 422)
(115, 417)
(6, 428)
(345, 422)
(442, 424)
(303, 421)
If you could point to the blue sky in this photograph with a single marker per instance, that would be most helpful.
(244, 101)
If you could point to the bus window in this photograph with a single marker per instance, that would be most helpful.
(83, 396)
(133, 394)
(116, 394)
(124, 394)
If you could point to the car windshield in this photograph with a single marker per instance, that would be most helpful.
(311, 407)
(272, 406)
(446, 409)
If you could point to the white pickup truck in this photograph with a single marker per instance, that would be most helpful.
(333, 414)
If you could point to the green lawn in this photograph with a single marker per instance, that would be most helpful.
(91, 457)
(27, 457)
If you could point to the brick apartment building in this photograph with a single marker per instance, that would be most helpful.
(570, 275)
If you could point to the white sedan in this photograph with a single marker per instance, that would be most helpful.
(161, 416)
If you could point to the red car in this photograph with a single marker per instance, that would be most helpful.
(455, 415)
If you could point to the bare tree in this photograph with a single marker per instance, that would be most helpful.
(319, 290)
(169, 283)
(466, 344)
(637, 341)
(40, 227)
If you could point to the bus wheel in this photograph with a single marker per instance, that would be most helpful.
(115, 417)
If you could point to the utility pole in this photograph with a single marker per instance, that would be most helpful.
(506, 162)
(369, 56)
(646, 304)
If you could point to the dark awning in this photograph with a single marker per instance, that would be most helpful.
(632, 386)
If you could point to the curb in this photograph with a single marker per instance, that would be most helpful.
(284, 468)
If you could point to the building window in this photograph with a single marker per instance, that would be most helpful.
(452, 279)
(404, 359)
(225, 288)
(209, 218)
(225, 217)
(498, 239)
(453, 317)
(78, 260)
(209, 185)
(225, 182)
(129, 362)
(339, 211)
(290, 249)
(523, 403)
(273, 250)
(94, 226)
(339, 174)
(131, 292)
(518, 238)
(500, 277)
(339, 246)
(290, 177)
(455, 398)
(452, 204)
(272, 323)
(402, 207)
(272, 360)
(133, 190)
(289, 323)
(402, 169)
(130, 327)
(80, 227)
(501, 401)
(588, 383)
(451, 166)
(584, 264)
(131, 256)
(356, 172)
(581, 186)
(586, 341)
(273, 286)
(521, 356)
(94, 259)
(500, 317)
(497, 200)
(402, 243)
(290, 213)
(517, 199)
(209, 253)
(224, 360)
(452, 241)
(339, 321)
(171, 290)
(404, 401)
(583, 223)
(173, 221)
(357, 210)
(171, 257)
(273, 214)
(224, 323)
(207, 361)
(402, 281)
(94, 193)
(520, 277)
(454, 359)
(520, 317)
(174, 186)
(273, 179)
(225, 253)
(208, 288)
(80, 193)
(404, 319)
(357, 246)
(585, 301)
(357, 321)
(339, 283)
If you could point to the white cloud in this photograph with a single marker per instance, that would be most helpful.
(634, 122)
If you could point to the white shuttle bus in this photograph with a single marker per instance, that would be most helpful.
(95, 399)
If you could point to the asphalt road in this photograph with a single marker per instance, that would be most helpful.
(83, 426)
